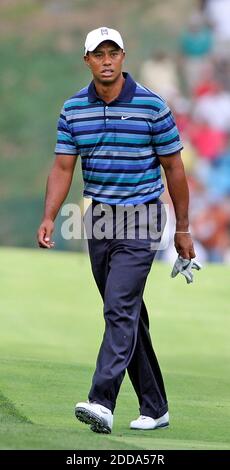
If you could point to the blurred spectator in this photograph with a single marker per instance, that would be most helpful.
(208, 84)
(195, 44)
(159, 73)
(189, 156)
(202, 4)
(211, 229)
(221, 170)
(208, 141)
(181, 107)
(214, 108)
(217, 176)
(182, 113)
(199, 196)
(222, 66)
(203, 119)
(218, 14)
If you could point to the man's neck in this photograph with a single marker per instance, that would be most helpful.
(110, 92)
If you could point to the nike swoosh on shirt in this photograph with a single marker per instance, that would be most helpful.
(125, 117)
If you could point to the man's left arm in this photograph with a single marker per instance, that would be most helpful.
(179, 193)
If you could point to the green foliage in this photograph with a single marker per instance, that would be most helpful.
(41, 48)
(33, 86)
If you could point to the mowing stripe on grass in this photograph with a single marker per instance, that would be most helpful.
(8, 411)
(50, 335)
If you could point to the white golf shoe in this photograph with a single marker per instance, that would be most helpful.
(146, 422)
(97, 416)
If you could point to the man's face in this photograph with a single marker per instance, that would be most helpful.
(105, 62)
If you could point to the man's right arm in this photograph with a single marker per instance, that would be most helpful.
(57, 188)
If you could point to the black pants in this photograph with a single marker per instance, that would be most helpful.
(120, 268)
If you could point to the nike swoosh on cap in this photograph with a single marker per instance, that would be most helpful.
(125, 117)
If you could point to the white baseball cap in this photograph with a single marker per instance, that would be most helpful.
(95, 37)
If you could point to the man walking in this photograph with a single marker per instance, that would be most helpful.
(124, 133)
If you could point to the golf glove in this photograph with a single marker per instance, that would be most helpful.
(185, 266)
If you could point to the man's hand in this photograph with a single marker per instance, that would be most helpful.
(185, 266)
(44, 234)
(57, 188)
(184, 245)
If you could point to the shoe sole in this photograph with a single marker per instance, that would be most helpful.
(161, 426)
(96, 423)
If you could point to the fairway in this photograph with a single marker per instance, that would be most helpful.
(51, 328)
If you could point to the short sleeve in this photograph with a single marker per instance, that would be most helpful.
(65, 143)
(166, 139)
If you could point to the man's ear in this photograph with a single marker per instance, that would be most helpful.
(86, 60)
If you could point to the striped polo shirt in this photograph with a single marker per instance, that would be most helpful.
(119, 143)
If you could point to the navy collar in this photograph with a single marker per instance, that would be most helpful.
(126, 95)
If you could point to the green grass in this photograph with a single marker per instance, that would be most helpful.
(51, 327)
